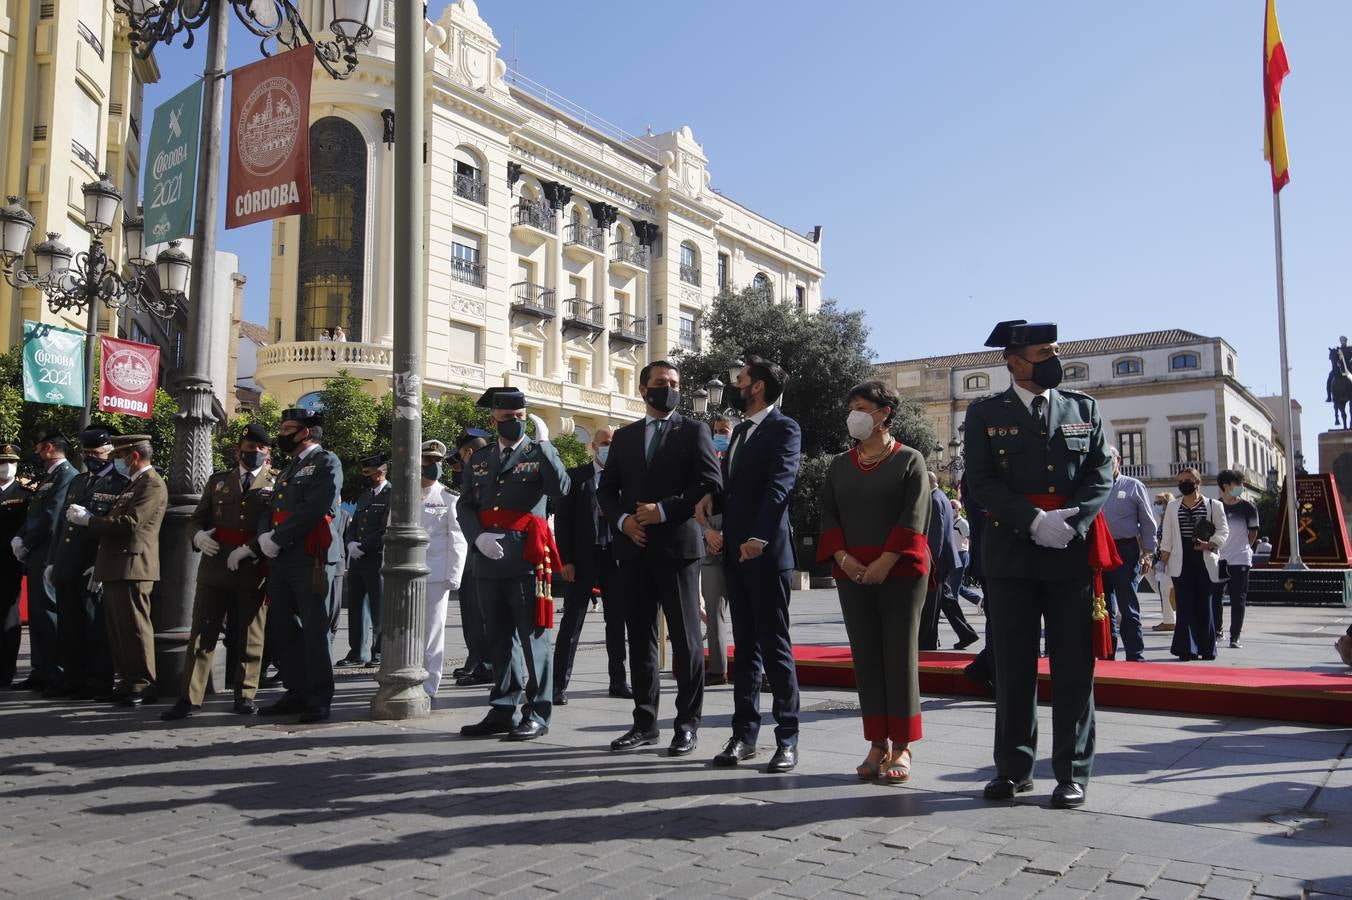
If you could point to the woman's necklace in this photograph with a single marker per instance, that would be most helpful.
(871, 463)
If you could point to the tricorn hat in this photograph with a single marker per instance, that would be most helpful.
(502, 398)
(95, 436)
(306, 417)
(1021, 333)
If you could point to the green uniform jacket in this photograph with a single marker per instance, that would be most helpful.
(532, 473)
(75, 545)
(129, 536)
(308, 489)
(368, 522)
(44, 512)
(1008, 460)
(225, 506)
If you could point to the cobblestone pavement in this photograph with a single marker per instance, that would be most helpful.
(97, 802)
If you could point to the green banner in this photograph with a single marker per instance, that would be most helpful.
(171, 167)
(53, 365)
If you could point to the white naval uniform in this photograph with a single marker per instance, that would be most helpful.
(446, 552)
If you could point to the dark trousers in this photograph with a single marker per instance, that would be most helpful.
(603, 574)
(938, 600)
(131, 637)
(82, 634)
(509, 613)
(472, 623)
(241, 609)
(1124, 608)
(1017, 608)
(298, 630)
(1238, 586)
(44, 648)
(11, 632)
(758, 599)
(364, 591)
(653, 586)
(1194, 632)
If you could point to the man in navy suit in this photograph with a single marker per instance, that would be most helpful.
(658, 468)
(759, 472)
(944, 551)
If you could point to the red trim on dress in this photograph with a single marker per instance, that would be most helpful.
(830, 541)
(906, 566)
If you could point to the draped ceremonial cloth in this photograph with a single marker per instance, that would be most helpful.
(539, 549)
(1103, 557)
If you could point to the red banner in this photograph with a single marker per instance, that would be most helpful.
(269, 174)
(129, 373)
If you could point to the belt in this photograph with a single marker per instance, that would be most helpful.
(232, 537)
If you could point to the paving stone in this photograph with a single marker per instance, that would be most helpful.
(1164, 889)
(1019, 886)
(1280, 887)
(865, 885)
(811, 886)
(1140, 874)
(1026, 848)
(1084, 877)
(1192, 873)
(1224, 888)
(1053, 862)
(989, 874)
(1062, 892)
(974, 851)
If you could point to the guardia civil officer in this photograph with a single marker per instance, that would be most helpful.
(502, 513)
(87, 664)
(302, 548)
(31, 547)
(365, 541)
(14, 497)
(234, 508)
(1038, 463)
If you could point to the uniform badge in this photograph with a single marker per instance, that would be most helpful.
(1003, 432)
(479, 469)
(220, 486)
(308, 470)
(1014, 430)
(990, 432)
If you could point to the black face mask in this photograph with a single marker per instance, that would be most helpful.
(432, 471)
(663, 398)
(511, 430)
(94, 463)
(1047, 374)
(1186, 488)
(251, 459)
(286, 442)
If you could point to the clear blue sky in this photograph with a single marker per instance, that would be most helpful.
(1095, 164)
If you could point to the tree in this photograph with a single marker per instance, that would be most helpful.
(350, 419)
(571, 451)
(269, 416)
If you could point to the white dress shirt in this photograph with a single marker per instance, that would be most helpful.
(755, 422)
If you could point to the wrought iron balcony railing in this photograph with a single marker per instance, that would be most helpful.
(466, 272)
(584, 235)
(536, 215)
(690, 274)
(533, 299)
(626, 252)
(470, 187)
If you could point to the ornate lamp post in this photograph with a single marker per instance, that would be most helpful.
(156, 22)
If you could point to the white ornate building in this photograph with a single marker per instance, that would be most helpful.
(561, 253)
(1168, 399)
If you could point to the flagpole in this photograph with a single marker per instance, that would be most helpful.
(1293, 542)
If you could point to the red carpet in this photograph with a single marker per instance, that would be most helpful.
(1290, 696)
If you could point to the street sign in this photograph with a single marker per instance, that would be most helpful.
(53, 365)
(171, 167)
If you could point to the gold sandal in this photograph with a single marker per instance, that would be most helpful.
(872, 765)
(897, 771)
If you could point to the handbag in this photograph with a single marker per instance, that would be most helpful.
(1205, 530)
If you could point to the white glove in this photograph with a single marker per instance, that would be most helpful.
(92, 585)
(237, 556)
(20, 551)
(541, 429)
(204, 541)
(354, 550)
(47, 580)
(488, 545)
(271, 549)
(1050, 529)
(77, 514)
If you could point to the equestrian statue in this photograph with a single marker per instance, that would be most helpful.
(1339, 384)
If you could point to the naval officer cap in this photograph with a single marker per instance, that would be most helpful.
(434, 450)
(375, 460)
(95, 437)
(1021, 333)
(9, 452)
(256, 433)
(306, 417)
(502, 398)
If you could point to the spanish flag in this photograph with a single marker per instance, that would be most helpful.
(1275, 68)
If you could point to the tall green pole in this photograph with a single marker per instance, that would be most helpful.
(404, 619)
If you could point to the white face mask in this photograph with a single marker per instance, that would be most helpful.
(859, 424)
(7, 471)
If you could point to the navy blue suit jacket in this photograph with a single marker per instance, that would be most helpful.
(942, 544)
(757, 486)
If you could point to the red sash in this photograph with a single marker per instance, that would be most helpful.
(232, 537)
(539, 549)
(1103, 557)
(317, 541)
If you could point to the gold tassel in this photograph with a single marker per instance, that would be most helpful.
(1100, 607)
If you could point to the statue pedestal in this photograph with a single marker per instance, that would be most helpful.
(1335, 458)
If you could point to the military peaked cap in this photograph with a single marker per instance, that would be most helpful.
(9, 452)
(126, 441)
(95, 437)
(433, 449)
(306, 417)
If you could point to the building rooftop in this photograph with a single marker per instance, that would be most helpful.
(1122, 343)
(256, 333)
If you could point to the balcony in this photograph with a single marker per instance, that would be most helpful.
(1176, 467)
(690, 274)
(472, 188)
(90, 38)
(537, 216)
(84, 156)
(688, 341)
(533, 300)
(281, 366)
(625, 254)
(1136, 471)
(580, 315)
(584, 237)
(466, 272)
(625, 329)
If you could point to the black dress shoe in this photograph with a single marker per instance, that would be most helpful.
(528, 730)
(784, 760)
(734, 751)
(473, 680)
(963, 645)
(621, 691)
(350, 662)
(981, 676)
(634, 738)
(1006, 788)
(489, 724)
(180, 710)
(1068, 794)
(314, 714)
(561, 698)
(375, 660)
(283, 707)
(715, 679)
(458, 671)
(31, 683)
(245, 707)
(134, 699)
(683, 743)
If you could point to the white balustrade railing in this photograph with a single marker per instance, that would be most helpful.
(337, 354)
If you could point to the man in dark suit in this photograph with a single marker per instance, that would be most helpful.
(658, 469)
(759, 472)
(14, 498)
(944, 551)
(32, 547)
(586, 550)
(365, 539)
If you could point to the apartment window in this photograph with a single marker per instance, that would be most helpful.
(1076, 372)
(1188, 444)
(1230, 366)
(469, 177)
(1129, 366)
(85, 129)
(762, 285)
(139, 335)
(722, 271)
(523, 360)
(976, 382)
(1234, 444)
(622, 380)
(577, 287)
(466, 343)
(465, 267)
(800, 293)
(574, 371)
(1182, 361)
(330, 273)
(689, 264)
(689, 333)
(622, 302)
(1131, 444)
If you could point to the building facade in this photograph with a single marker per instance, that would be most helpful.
(562, 254)
(1169, 399)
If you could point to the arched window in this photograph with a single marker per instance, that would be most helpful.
(1130, 365)
(689, 263)
(977, 382)
(1076, 372)
(333, 236)
(1180, 362)
(469, 175)
(761, 284)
